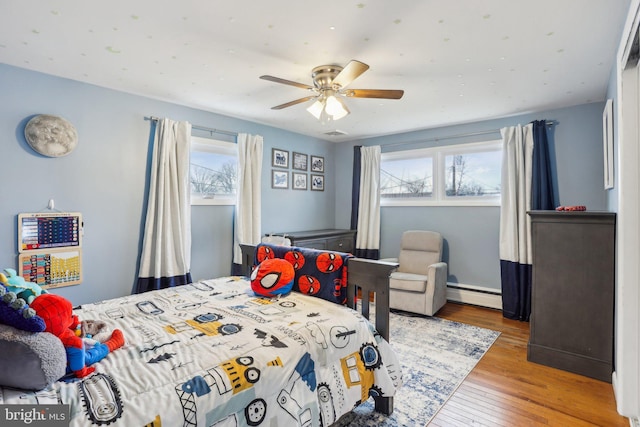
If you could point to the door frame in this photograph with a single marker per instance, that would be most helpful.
(626, 377)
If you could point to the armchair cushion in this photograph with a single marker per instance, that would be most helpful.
(418, 250)
(408, 281)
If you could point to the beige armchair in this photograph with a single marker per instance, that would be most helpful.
(419, 285)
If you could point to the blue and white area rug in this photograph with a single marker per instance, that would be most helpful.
(436, 356)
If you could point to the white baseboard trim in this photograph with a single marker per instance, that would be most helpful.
(634, 421)
(476, 295)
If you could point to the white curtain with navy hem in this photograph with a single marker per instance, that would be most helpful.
(368, 231)
(247, 218)
(527, 184)
(165, 260)
(515, 225)
(517, 173)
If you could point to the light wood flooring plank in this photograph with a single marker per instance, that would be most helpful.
(504, 389)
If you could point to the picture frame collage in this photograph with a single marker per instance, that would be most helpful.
(307, 171)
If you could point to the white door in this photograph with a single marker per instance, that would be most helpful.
(626, 378)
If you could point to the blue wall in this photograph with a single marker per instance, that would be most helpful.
(105, 179)
(472, 233)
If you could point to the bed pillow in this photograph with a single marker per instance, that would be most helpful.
(272, 277)
(29, 360)
(318, 272)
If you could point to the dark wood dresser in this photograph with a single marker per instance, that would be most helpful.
(572, 302)
(333, 240)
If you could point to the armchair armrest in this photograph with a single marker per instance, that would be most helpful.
(437, 283)
(438, 266)
(437, 274)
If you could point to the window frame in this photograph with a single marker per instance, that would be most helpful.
(216, 146)
(422, 153)
(439, 154)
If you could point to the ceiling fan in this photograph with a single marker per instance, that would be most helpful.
(329, 87)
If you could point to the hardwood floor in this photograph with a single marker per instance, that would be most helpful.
(504, 389)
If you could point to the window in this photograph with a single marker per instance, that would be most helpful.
(465, 174)
(214, 172)
(473, 173)
(402, 177)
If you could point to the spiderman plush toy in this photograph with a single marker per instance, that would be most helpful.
(273, 277)
(57, 313)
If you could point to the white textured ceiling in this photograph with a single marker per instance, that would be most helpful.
(457, 60)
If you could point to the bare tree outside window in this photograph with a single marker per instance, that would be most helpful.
(406, 178)
(209, 183)
(213, 172)
(472, 174)
(456, 175)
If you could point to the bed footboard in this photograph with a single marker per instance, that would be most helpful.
(371, 277)
(248, 255)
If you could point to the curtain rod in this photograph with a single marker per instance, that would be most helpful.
(442, 138)
(206, 129)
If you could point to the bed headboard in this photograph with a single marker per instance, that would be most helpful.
(365, 277)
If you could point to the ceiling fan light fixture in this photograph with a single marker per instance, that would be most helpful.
(316, 109)
(336, 108)
(328, 108)
(329, 81)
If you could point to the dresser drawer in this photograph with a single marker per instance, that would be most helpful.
(312, 243)
(340, 244)
(331, 240)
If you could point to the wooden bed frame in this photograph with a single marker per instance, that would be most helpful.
(367, 278)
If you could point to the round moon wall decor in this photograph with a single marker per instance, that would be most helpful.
(51, 136)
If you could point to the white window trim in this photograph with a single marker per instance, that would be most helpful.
(215, 146)
(439, 197)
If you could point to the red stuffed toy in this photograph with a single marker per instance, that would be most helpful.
(59, 319)
(272, 277)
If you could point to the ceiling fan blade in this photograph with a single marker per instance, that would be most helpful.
(349, 73)
(286, 82)
(374, 93)
(297, 101)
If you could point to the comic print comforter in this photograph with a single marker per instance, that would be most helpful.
(212, 353)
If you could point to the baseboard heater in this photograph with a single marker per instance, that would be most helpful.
(476, 295)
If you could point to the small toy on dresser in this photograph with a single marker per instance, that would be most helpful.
(577, 208)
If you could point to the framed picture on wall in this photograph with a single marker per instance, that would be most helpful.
(317, 164)
(279, 158)
(299, 181)
(279, 179)
(317, 182)
(607, 141)
(300, 161)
